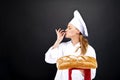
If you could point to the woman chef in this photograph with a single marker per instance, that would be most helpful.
(76, 31)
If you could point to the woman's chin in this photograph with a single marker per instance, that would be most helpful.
(67, 37)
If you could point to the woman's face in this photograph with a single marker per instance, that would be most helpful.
(71, 31)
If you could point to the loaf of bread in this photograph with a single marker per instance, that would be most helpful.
(83, 62)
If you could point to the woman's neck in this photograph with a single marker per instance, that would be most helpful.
(75, 41)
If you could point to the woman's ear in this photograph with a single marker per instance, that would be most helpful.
(78, 31)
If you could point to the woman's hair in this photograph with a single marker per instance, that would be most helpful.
(83, 44)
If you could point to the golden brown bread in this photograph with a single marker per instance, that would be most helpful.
(83, 62)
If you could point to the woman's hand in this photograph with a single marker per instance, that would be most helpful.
(60, 35)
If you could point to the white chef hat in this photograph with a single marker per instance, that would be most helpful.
(79, 23)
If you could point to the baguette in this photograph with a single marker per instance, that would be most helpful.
(83, 62)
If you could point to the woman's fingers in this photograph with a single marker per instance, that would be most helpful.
(63, 33)
(60, 33)
(56, 30)
(59, 30)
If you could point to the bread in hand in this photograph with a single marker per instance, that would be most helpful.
(83, 62)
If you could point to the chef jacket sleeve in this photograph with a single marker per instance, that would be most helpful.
(53, 54)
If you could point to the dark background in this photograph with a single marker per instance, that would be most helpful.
(27, 30)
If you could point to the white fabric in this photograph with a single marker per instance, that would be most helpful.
(64, 49)
(79, 23)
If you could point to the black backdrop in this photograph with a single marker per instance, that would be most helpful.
(28, 30)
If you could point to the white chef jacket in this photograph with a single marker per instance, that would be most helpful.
(64, 49)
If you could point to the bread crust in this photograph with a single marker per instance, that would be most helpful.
(70, 61)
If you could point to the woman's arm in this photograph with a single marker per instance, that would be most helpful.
(55, 51)
(91, 52)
